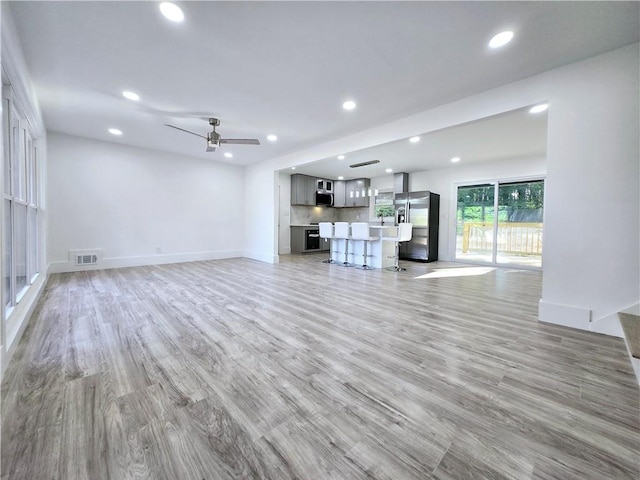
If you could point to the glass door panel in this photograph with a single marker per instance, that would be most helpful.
(519, 234)
(474, 223)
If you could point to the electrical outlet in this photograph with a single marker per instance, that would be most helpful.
(158, 250)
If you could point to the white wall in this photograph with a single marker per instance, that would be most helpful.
(284, 240)
(443, 181)
(140, 206)
(591, 253)
(260, 214)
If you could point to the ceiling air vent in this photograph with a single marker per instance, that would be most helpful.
(364, 164)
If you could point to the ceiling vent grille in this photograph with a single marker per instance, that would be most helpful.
(364, 164)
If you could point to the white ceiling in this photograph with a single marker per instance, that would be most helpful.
(286, 67)
(509, 136)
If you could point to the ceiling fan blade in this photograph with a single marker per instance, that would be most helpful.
(186, 131)
(241, 141)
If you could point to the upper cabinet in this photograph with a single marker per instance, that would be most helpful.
(351, 193)
(303, 190)
(357, 192)
(339, 193)
(323, 185)
(346, 193)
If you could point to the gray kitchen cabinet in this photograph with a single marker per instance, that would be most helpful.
(357, 192)
(300, 243)
(303, 190)
(339, 189)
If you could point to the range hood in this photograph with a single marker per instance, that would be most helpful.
(400, 183)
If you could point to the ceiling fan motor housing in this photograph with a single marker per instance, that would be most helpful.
(213, 139)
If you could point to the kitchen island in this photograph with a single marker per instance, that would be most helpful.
(380, 254)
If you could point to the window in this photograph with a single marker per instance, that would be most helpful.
(383, 207)
(501, 223)
(20, 237)
(7, 249)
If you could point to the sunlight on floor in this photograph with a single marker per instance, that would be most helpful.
(457, 272)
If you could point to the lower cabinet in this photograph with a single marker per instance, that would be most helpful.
(306, 239)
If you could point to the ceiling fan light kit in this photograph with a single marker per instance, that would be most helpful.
(213, 138)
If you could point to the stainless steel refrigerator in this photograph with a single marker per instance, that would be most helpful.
(422, 209)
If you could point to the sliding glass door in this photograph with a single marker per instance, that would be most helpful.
(474, 228)
(513, 235)
(519, 234)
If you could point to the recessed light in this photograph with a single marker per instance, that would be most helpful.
(293, 168)
(501, 39)
(539, 108)
(414, 139)
(115, 131)
(272, 138)
(228, 154)
(455, 159)
(349, 105)
(389, 170)
(131, 96)
(340, 177)
(171, 11)
(340, 157)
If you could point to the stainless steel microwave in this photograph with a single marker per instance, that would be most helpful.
(325, 199)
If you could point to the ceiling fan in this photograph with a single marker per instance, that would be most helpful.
(213, 138)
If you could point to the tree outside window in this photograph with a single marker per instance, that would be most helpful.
(384, 209)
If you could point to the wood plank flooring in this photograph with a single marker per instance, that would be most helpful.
(236, 369)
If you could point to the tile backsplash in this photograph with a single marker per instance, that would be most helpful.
(353, 214)
(304, 215)
(301, 215)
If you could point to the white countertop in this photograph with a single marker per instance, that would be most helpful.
(371, 225)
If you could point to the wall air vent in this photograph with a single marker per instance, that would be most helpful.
(85, 257)
(364, 164)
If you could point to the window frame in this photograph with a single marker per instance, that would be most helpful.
(21, 164)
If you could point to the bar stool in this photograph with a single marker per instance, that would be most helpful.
(405, 232)
(341, 232)
(326, 232)
(360, 232)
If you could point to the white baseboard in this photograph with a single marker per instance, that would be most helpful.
(119, 262)
(565, 315)
(261, 256)
(609, 325)
(635, 363)
(285, 251)
(632, 309)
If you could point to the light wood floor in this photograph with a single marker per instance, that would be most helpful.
(240, 369)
